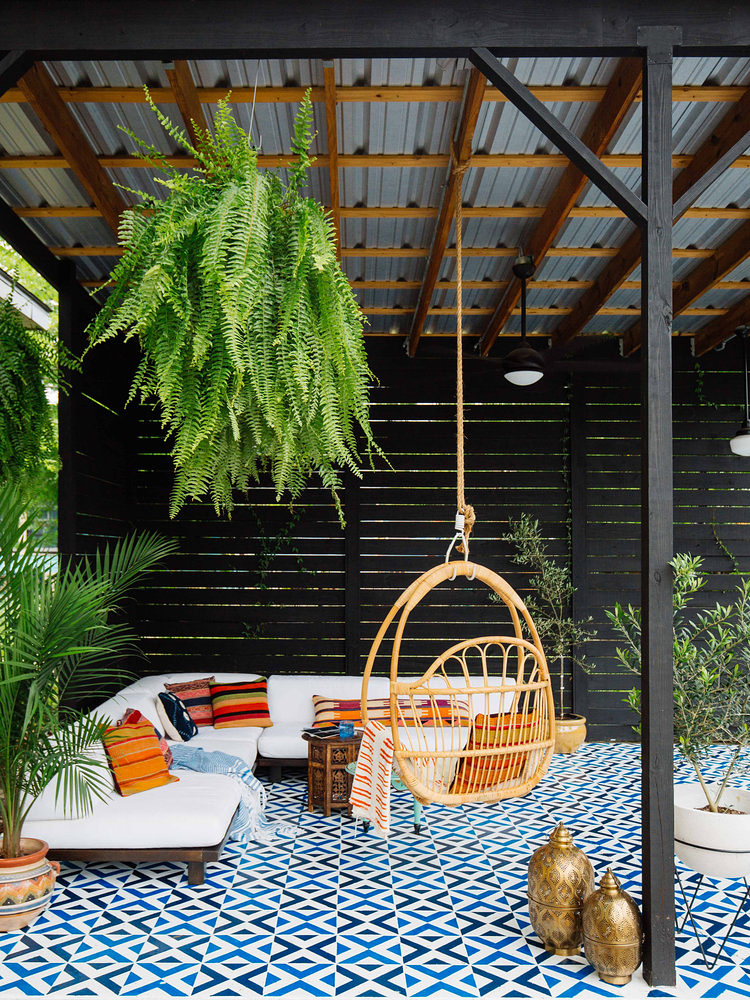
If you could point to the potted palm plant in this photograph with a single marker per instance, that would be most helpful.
(58, 639)
(711, 710)
(562, 635)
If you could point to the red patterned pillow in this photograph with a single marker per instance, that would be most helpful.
(133, 715)
(196, 697)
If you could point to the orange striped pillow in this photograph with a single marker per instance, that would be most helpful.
(428, 711)
(135, 758)
(475, 774)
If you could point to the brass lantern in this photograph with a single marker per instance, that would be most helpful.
(612, 932)
(560, 878)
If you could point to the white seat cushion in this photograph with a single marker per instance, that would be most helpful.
(283, 741)
(290, 695)
(242, 743)
(192, 812)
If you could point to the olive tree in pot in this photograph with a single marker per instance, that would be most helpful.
(711, 717)
(59, 636)
(562, 635)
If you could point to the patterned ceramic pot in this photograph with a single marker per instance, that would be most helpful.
(570, 733)
(26, 885)
(612, 932)
(714, 844)
(560, 878)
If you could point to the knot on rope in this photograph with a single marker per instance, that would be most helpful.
(469, 519)
(458, 167)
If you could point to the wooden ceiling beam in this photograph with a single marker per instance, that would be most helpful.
(329, 86)
(420, 252)
(573, 94)
(462, 145)
(436, 161)
(607, 118)
(70, 139)
(185, 95)
(398, 212)
(722, 328)
(718, 149)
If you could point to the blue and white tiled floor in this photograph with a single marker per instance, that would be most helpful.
(339, 913)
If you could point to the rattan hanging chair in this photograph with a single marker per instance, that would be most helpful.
(479, 724)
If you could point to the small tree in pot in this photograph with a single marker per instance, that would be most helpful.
(711, 708)
(57, 643)
(561, 634)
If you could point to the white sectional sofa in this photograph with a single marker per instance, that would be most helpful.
(189, 820)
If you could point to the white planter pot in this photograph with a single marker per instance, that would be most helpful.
(714, 844)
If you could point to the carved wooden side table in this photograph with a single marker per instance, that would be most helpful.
(328, 783)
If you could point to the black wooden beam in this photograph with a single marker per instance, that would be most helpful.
(13, 65)
(16, 232)
(216, 28)
(71, 324)
(352, 595)
(657, 511)
(566, 141)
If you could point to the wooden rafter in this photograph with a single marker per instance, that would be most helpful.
(365, 94)
(185, 93)
(607, 118)
(70, 139)
(734, 124)
(329, 81)
(722, 328)
(463, 138)
(542, 161)
(401, 212)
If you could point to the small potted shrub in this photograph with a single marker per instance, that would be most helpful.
(561, 635)
(711, 708)
(57, 640)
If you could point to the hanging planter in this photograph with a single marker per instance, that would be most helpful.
(251, 335)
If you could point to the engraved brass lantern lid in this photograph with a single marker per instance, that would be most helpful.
(612, 931)
(560, 878)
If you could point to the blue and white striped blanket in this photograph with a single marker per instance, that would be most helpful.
(249, 822)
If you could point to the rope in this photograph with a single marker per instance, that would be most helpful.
(459, 169)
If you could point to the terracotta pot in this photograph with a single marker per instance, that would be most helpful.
(570, 733)
(714, 844)
(26, 885)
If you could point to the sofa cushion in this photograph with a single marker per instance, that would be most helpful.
(242, 743)
(192, 813)
(428, 711)
(241, 704)
(133, 715)
(195, 695)
(290, 695)
(136, 758)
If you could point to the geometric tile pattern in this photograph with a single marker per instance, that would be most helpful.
(336, 912)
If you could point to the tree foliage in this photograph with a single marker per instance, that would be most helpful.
(711, 669)
(251, 335)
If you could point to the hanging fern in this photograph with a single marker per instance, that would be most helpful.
(28, 363)
(251, 336)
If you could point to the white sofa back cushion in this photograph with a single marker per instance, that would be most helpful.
(290, 695)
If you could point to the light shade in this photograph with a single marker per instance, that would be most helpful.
(740, 443)
(524, 365)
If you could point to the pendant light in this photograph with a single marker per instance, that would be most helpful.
(523, 365)
(740, 443)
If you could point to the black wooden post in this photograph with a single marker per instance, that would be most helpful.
(352, 597)
(70, 331)
(578, 532)
(656, 509)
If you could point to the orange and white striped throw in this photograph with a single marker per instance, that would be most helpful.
(371, 788)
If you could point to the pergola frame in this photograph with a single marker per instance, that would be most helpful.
(482, 31)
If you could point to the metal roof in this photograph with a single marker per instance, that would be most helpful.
(400, 127)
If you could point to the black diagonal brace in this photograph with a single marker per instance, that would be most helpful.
(565, 140)
(12, 67)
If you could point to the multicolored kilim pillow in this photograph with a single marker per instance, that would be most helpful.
(175, 717)
(428, 711)
(134, 715)
(196, 696)
(488, 732)
(241, 704)
(135, 758)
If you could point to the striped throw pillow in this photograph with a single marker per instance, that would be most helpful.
(134, 715)
(475, 774)
(241, 704)
(135, 758)
(196, 697)
(428, 711)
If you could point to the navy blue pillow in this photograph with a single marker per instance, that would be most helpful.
(178, 715)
